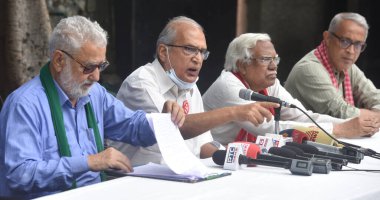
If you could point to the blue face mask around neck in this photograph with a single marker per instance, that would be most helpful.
(182, 85)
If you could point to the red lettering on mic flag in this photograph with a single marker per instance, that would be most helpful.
(186, 107)
(312, 134)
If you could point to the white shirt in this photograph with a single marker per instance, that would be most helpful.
(225, 92)
(148, 88)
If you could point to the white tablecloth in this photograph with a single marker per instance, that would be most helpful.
(249, 183)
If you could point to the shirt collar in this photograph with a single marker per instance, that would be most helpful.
(64, 99)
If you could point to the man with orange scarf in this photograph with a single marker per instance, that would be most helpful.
(328, 81)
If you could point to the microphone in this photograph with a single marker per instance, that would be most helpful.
(297, 135)
(325, 147)
(338, 150)
(250, 95)
(253, 151)
(249, 149)
(336, 163)
(271, 140)
(320, 166)
(219, 157)
(233, 158)
(333, 156)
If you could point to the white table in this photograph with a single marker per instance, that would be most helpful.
(250, 183)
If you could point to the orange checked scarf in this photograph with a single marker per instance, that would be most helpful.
(321, 54)
(244, 135)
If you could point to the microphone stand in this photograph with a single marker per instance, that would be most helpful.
(277, 116)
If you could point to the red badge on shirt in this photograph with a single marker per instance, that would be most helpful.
(186, 106)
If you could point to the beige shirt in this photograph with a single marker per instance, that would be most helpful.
(310, 83)
(148, 88)
(225, 92)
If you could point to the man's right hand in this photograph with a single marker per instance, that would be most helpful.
(369, 121)
(110, 158)
(254, 112)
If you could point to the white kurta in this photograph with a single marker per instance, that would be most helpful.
(225, 92)
(148, 88)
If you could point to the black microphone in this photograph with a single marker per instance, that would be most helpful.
(334, 157)
(250, 95)
(320, 166)
(334, 165)
(338, 150)
(220, 155)
(295, 166)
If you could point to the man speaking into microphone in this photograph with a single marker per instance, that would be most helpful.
(251, 62)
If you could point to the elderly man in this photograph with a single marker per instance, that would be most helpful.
(251, 62)
(327, 80)
(180, 51)
(52, 128)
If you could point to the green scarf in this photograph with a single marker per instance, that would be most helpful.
(57, 117)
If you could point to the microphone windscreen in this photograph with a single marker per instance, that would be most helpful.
(315, 134)
(219, 156)
(249, 149)
(296, 150)
(245, 94)
(297, 135)
(305, 147)
(282, 152)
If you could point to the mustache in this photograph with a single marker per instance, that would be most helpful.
(88, 82)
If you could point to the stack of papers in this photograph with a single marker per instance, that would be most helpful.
(181, 164)
(163, 172)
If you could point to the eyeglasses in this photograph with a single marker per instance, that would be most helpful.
(193, 51)
(266, 60)
(91, 67)
(345, 43)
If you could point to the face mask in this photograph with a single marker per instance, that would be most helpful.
(182, 85)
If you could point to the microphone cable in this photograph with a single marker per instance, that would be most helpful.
(358, 170)
(359, 149)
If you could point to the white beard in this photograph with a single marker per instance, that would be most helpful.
(72, 88)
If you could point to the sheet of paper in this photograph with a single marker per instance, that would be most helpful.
(174, 149)
(154, 170)
(163, 172)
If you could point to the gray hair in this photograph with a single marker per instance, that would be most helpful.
(360, 20)
(239, 49)
(72, 32)
(169, 33)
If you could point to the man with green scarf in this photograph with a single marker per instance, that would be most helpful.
(52, 128)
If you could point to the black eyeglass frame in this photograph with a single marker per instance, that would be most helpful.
(89, 68)
(345, 43)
